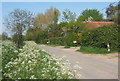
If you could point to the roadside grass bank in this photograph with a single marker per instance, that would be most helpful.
(31, 62)
(94, 50)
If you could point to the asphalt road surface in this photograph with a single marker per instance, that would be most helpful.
(92, 68)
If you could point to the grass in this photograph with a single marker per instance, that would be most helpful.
(93, 50)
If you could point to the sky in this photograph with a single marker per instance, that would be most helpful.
(40, 7)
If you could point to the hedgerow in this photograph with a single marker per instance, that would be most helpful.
(102, 36)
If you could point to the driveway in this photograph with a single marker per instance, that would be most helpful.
(92, 68)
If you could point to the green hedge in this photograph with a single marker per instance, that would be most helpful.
(57, 40)
(101, 36)
(66, 41)
(54, 40)
(69, 38)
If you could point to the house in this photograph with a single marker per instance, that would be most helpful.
(97, 24)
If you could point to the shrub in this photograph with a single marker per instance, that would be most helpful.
(102, 36)
(44, 41)
(69, 38)
(54, 41)
(36, 34)
(57, 40)
(67, 47)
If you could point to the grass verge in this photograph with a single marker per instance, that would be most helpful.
(93, 50)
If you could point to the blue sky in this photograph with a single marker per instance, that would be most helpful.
(40, 7)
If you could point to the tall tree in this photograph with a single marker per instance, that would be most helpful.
(113, 13)
(68, 15)
(18, 22)
(92, 14)
(4, 36)
(43, 20)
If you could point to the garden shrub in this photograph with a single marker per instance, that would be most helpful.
(102, 36)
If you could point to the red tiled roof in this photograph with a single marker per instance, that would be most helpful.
(97, 24)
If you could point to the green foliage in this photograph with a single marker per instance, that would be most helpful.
(113, 13)
(67, 47)
(94, 13)
(9, 53)
(69, 38)
(102, 36)
(93, 50)
(18, 22)
(35, 34)
(68, 15)
(53, 41)
(75, 27)
(4, 36)
(57, 40)
(34, 63)
(54, 30)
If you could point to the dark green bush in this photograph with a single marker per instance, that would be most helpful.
(69, 38)
(102, 36)
(57, 40)
(54, 41)
(44, 41)
(35, 34)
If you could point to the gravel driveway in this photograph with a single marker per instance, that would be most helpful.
(92, 68)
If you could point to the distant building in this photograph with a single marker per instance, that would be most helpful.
(97, 24)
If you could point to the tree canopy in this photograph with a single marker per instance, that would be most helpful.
(18, 22)
(90, 13)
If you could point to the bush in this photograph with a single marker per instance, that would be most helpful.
(57, 40)
(44, 41)
(67, 47)
(102, 36)
(69, 38)
(54, 41)
(36, 34)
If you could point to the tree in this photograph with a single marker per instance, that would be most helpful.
(18, 22)
(68, 16)
(36, 34)
(113, 13)
(43, 20)
(4, 36)
(94, 14)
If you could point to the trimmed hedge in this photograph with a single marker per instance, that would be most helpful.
(102, 36)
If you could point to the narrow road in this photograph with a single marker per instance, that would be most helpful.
(92, 68)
